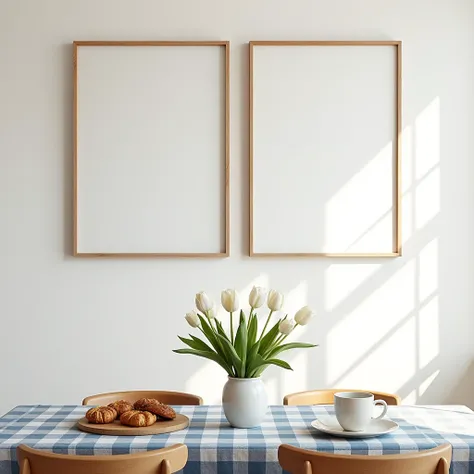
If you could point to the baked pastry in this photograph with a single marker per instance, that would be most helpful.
(101, 415)
(137, 418)
(121, 406)
(154, 406)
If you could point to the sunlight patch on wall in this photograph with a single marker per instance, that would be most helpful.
(380, 368)
(376, 238)
(425, 385)
(428, 340)
(407, 217)
(296, 298)
(411, 398)
(296, 380)
(343, 279)
(407, 183)
(362, 224)
(428, 270)
(427, 173)
(207, 382)
(407, 157)
(428, 314)
(367, 329)
(428, 198)
(375, 323)
(427, 139)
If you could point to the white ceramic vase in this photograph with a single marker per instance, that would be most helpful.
(245, 402)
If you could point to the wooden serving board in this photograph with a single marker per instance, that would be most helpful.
(117, 429)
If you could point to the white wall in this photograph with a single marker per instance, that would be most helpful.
(73, 327)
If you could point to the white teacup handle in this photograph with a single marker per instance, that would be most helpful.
(384, 411)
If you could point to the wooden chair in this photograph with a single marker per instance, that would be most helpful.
(161, 461)
(170, 398)
(326, 397)
(302, 461)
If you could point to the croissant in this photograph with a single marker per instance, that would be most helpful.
(121, 406)
(101, 415)
(154, 406)
(137, 418)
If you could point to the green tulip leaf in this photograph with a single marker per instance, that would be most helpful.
(286, 347)
(241, 343)
(209, 332)
(258, 362)
(213, 338)
(253, 359)
(277, 362)
(269, 338)
(200, 344)
(220, 329)
(252, 330)
(231, 355)
(207, 355)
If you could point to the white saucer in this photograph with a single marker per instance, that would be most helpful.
(329, 425)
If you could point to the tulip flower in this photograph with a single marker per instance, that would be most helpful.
(274, 303)
(286, 326)
(212, 313)
(257, 297)
(304, 315)
(193, 319)
(275, 300)
(203, 302)
(230, 300)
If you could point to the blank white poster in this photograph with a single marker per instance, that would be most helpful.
(151, 149)
(324, 145)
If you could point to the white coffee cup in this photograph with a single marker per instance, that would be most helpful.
(354, 410)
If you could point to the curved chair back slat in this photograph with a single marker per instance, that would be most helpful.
(301, 461)
(169, 398)
(161, 461)
(326, 397)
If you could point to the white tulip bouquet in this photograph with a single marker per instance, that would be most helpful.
(247, 352)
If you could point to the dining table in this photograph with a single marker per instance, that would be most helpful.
(215, 447)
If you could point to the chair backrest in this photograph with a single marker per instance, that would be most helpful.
(169, 398)
(302, 461)
(326, 397)
(161, 461)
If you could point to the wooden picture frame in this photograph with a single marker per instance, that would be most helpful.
(84, 244)
(255, 120)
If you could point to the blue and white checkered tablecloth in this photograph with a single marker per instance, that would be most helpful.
(216, 448)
